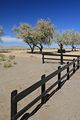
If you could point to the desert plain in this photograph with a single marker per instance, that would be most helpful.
(27, 69)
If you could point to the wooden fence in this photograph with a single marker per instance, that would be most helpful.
(70, 68)
(60, 55)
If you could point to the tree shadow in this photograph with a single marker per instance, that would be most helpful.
(38, 52)
(34, 52)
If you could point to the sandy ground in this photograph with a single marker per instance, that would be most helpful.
(63, 105)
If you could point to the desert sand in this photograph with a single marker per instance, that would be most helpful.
(63, 105)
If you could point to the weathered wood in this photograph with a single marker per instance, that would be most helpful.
(43, 58)
(61, 56)
(59, 78)
(61, 48)
(52, 54)
(43, 89)
(68, 71)
(42, 83)
(73, 65)
(32, 88)
(13, 104)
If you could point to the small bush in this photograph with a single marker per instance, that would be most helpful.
(7, 65)
(2, 57)
(9, 60)
(11, 57)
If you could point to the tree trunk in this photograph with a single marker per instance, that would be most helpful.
(72, 47)
(41, 48)
(32, 48)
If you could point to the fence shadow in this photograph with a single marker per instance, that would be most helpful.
(50, 62)
(45, 93)
(26, 116)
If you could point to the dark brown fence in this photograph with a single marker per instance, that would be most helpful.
(16, 97)
(62, 59)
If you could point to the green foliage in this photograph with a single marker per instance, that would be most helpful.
(6, 61)
(2, 58)
(36, 37)
(46, 28)
(58, 38)
(68, 37)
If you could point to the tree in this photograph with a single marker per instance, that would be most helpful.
(58, 38)
(24, 31)
(36, 37)
(44, 33)
(1, 32)
(70, 37)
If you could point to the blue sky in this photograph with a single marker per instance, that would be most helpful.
(64, 14)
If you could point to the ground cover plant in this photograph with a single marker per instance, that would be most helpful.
(7, 61)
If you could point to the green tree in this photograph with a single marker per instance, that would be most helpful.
(44, 33)
(70, 37)
(36, 37)
(58, 38)
(25, 31)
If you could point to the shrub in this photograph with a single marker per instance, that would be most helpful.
(2, 57)
(7, 65)
(11, 57)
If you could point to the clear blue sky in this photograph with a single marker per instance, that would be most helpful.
(65, 14)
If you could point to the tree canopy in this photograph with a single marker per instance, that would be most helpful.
(68, 37)
(40, 35)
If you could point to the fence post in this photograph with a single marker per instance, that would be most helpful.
(43, 58)
(43, 89)
(73, 65)
(59, 77)
(13, 104)
(68, 71)
(78, 62)
(61, 49)
(61, 58)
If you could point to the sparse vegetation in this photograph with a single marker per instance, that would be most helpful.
(2, 58)
(6, 61)
(7, 65)
(11, 57)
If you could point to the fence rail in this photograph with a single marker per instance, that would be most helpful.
(60, 55)
(16, 97)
